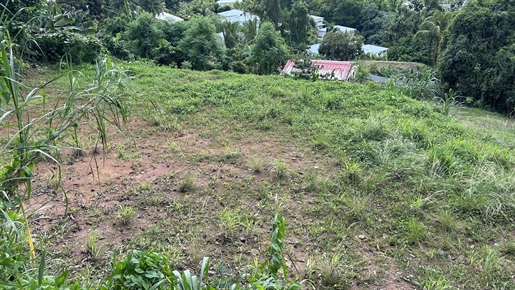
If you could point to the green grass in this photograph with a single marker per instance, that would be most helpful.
(432, 194)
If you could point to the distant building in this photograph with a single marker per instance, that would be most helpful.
(168, 17)
(341, 70)
(319, 24)
(345, 29)
(374, 50)
(229, 3)
(236, 15)
(313, 49)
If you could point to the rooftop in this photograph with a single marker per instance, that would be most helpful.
(168, 17)
(313, 49)
(236, 15)
(345, 28)
(373, 49)
(340, 69)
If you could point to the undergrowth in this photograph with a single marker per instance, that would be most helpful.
(396, 185)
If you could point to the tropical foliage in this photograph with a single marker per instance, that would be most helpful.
(478, 54)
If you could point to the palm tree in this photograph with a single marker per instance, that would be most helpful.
(250, 30)
(231, 33)
(153, 6)
(433, 27)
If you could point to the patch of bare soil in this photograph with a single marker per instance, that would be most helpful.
(189, 196)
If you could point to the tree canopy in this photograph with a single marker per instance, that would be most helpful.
(269, 50)
(201, 45)
(340, 45)
(478, 54)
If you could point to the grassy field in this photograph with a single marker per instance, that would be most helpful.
(379, 191)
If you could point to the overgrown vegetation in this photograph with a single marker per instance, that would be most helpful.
(380, 183)
(398, 178)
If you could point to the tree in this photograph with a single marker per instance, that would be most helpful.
(272, 11)
(269, 50)
(433, 28)
(373, 24)
(231, 33)
(249, 30)
(202, 47)
(478, 54)
(173, 5)
(153, 6)
(343, 12)
(299, 24)
(203, 7)
(340, 45)
(144, 35)
(402, 44)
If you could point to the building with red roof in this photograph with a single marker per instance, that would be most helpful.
(340, 70)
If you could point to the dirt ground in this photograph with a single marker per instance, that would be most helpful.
(191, 197)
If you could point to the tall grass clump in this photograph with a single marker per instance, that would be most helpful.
(36, 124)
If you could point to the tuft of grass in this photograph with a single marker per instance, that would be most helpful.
(282, 169)
(256, 164)
(351, 173)
(509, 249)
(312, 181)
(187, 183)
(415, 231)
(92, 247)
(125, 214)
(447, 221)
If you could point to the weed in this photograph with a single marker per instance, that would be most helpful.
(92, 247)
(490, 260)
(352, 173)
(434, 280)
(331, 270)
(415, 231)
(509, 249)
(374, 130)
(282, 169)
(139, 270)
(125, 214)
(256, 164)
(312, 181)
(232, 220)
(187, 183)
(448, 221)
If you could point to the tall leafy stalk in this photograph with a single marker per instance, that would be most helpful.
(36, 136)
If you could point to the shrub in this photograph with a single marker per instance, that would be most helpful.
(143, 35)
(239, 67)
(164, 54)
(139, 270)
(117, 48)
(52, 47)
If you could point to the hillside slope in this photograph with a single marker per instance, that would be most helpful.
(378, 190)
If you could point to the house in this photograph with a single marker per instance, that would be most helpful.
(229, 3)
(341, 70)
(345, 29)
(313, 49)
(236, 15)
(319, 24)
(374, 50)
(168, 17)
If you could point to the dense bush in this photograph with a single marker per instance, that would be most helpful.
(143, 35)
(52, 47)
(202, 47)
(117, 47)
(478, 54)
(269, 50)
